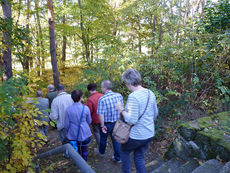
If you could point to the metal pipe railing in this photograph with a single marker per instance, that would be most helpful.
(73, 154)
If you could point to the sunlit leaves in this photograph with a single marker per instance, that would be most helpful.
(19, 133)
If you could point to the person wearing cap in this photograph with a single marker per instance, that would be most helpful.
(58, 108)
(51, 94)
(43, 105)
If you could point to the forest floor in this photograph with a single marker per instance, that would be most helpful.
(59, 164)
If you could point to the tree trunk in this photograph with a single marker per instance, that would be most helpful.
(139, 35)
(186, 12)
(52, 42)
(64, 39)
(26, 66)
(178, 39)
(6, 52)
(153, 25)
(83, 33)
(38, 60)
(91, 52)
(40, 36)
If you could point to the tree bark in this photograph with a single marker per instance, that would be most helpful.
(38, 60)
(26, 66)
(83, 33)
(186, 11)
(6, 52)
(153, 25)
(41, 54)
(139, 36)
(64, 38)
(52, 42)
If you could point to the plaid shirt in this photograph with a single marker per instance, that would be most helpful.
(107, 106)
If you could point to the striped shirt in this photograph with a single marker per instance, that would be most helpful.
(107, 106)
(136, 103)
(58, 108)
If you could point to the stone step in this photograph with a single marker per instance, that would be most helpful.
(226, 168)
(154, 164)
(168, 167)
(188, 167)
(210, 166)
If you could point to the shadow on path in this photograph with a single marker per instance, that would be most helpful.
(59, 164)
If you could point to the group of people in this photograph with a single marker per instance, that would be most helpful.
(101, 111)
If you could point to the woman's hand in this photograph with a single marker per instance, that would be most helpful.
(119, 106)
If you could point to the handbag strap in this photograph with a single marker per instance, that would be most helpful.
(80, 121)
(145, 106)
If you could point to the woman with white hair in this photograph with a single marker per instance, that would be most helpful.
(140, 111)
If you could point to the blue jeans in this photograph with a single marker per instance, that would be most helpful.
(63, 136)
(103, 139)
(96, 132)
(63, 139)
(139, 148)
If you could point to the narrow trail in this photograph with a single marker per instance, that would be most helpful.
(59, 164)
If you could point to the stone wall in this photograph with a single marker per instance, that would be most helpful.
(204, 138)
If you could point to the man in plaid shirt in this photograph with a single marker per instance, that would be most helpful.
(108, 115)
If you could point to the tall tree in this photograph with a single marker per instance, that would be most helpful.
(6, 52)
(40, 44)
(83, 33)
(64, 38)
(27, 27)
(52, 42)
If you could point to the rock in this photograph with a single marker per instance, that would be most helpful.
(170, 153)
(184, 150)
(187, 167)
(181, 148)
(168, 167)
(187, 132)
(226, 168)
(210, 134)
(195, 150)
(210, 166)
(154, 164)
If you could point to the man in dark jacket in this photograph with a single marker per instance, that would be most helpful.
(51, 94)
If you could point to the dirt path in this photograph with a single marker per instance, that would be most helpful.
(59, 164)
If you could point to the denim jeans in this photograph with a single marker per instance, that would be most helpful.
(63, 136)
(63, 139)
(96, 132)
(103, 140)
(139, 148)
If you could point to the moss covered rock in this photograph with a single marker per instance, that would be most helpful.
(211, 135)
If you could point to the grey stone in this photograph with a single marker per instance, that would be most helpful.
(210, 166)
(187, 167)
(168, 167)
(154, 164)
(181, 148)
(194, 124)
(195, 150)
(226, 168)
(170, 153)
(187, 133)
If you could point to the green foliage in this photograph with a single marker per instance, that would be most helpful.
(111, 69)
(18, 39)
(19, 136)
(217, 17)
